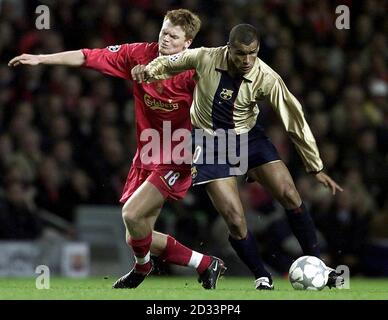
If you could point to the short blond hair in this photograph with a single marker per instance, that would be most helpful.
(188, 21)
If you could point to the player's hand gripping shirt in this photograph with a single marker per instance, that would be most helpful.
(222, 102)
(156, 104)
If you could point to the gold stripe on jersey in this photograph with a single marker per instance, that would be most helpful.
(261, 82)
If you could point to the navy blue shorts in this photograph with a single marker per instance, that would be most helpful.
(229, 155)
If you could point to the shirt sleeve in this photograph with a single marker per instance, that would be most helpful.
(112, 60)
(165, 67)
(290, 111)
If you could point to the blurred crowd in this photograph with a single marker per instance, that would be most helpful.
(67, 134)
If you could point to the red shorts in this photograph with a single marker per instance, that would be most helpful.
(172, 184)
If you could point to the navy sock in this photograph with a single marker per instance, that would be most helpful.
(302, 225)
(248, 252)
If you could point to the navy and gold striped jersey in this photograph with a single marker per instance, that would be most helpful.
(223, 102)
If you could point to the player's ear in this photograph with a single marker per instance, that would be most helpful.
(188, 43)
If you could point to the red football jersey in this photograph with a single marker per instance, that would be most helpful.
(158, 105)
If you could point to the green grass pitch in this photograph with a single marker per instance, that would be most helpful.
(183, 288)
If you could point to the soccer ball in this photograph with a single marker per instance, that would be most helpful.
(308, 273)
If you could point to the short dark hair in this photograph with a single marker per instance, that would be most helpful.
(243, 33)
(187, 20)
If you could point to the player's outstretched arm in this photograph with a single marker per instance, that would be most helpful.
(67, 58)
(164, 67)
(328, 182)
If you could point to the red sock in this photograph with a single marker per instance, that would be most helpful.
(177, 253)
(204, 264)
(141, 249)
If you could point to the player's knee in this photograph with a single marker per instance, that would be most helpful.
(130, 216)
